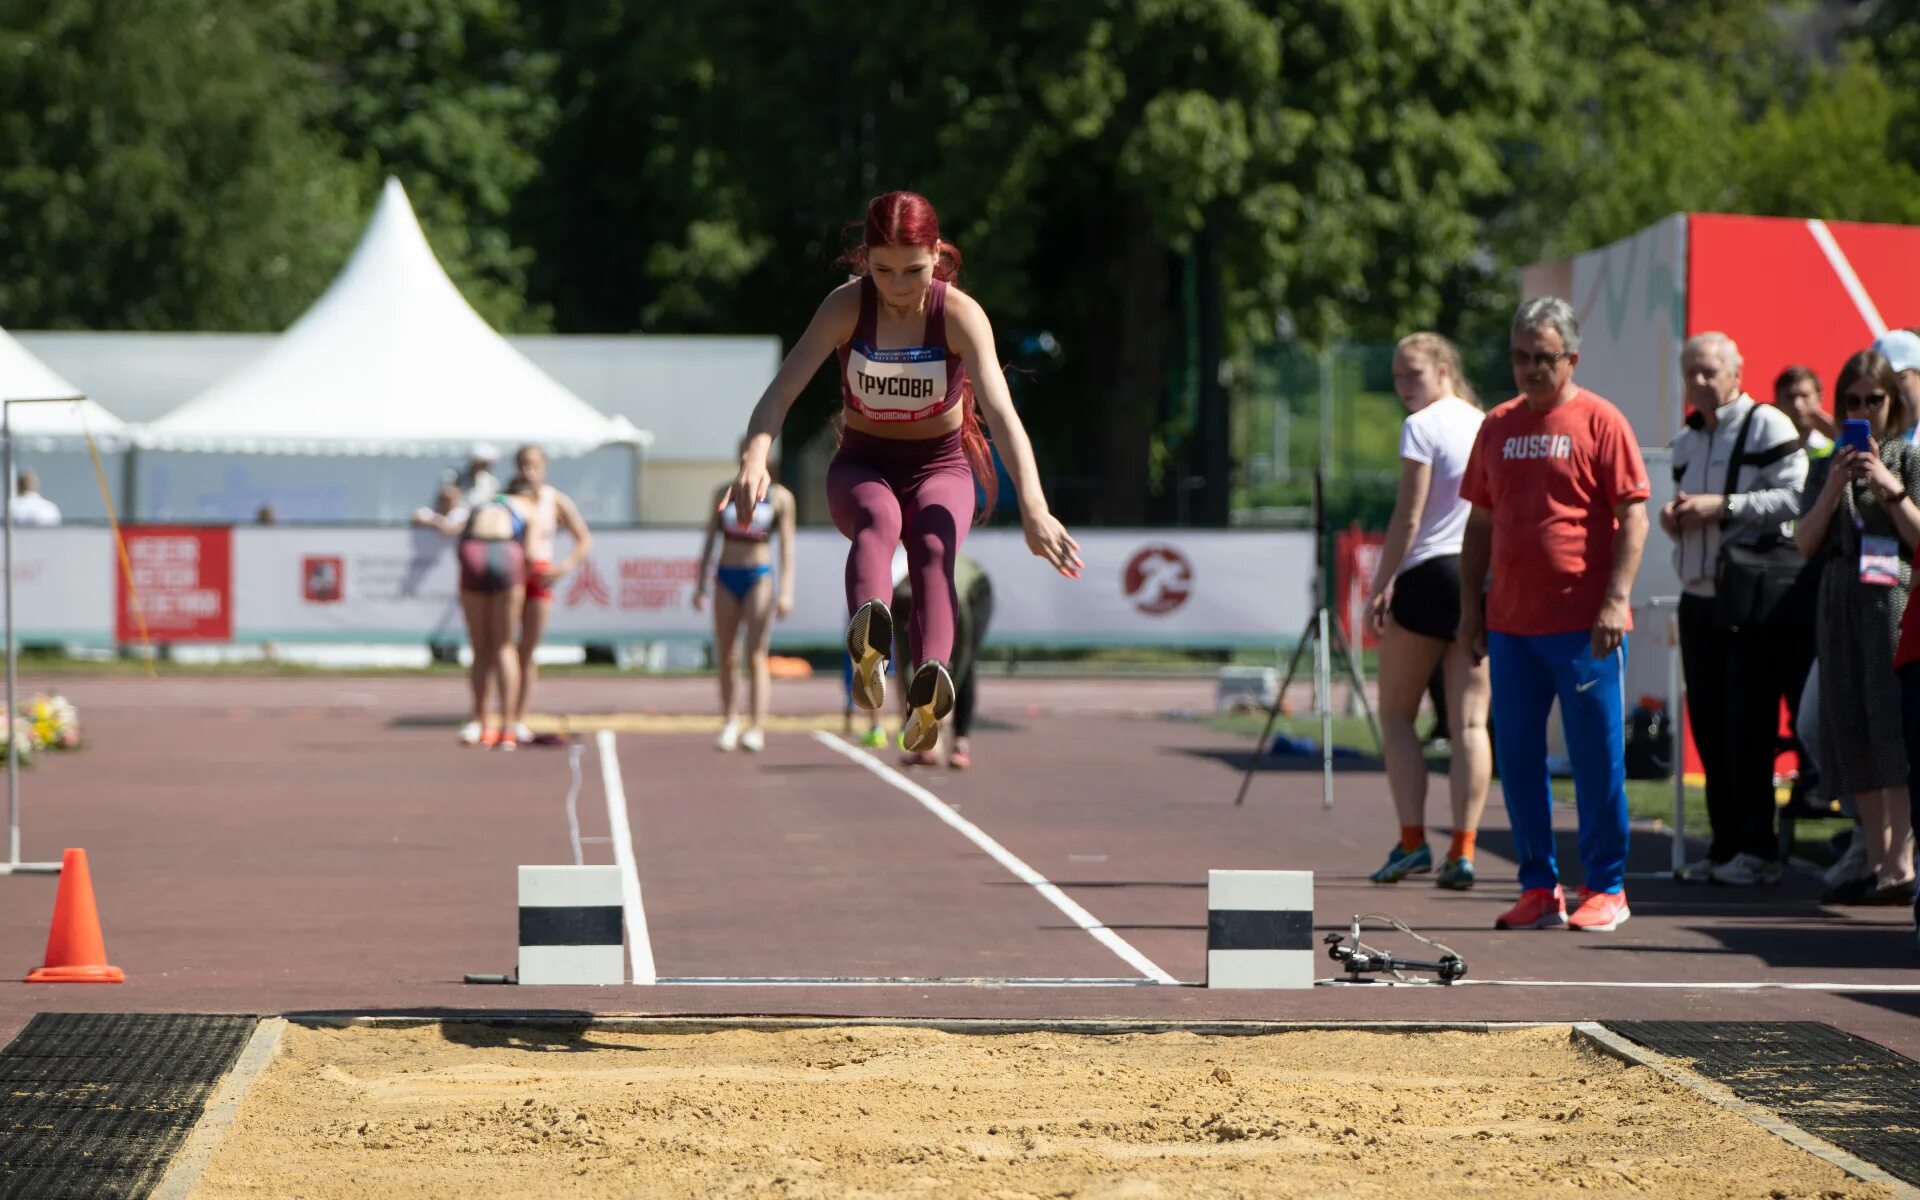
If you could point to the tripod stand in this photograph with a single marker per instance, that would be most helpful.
(1325, 637)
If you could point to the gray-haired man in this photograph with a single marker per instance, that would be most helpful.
(1559, 497)
(1736, 679)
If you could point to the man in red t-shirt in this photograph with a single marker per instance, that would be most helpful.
(1559, 497)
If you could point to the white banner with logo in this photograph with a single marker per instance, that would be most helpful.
(63, 585)
(1171, 587)
(315, 583)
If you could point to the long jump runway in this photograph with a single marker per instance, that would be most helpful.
(321, 845)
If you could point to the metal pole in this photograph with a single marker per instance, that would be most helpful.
(13, 865)
(13, 751)
(1676, 723)
(1326, 409)
(1323, 688)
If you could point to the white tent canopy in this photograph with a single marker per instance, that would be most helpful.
(50, 426)
(391, 360)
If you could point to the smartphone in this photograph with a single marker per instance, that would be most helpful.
(1854, 434)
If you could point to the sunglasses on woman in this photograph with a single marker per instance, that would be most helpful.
(1863, 403)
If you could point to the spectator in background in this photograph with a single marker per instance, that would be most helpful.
(493, 575)
(30, 507)
(476, 481)
(1796, 392)
(1559, 496)
(552, 512)
(1415, 608)
(750, 597)
(449, 512)
(1901, 349)
(447, 517)
(1738, 470)
(1860, 513)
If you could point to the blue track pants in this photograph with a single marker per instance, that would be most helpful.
(1528, 674)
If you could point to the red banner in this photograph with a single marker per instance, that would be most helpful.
(183, 581)
(1356, 556)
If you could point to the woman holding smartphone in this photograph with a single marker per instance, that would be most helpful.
(1861, 512)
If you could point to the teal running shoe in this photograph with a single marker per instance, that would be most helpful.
(1456, 875)
(1402, 863)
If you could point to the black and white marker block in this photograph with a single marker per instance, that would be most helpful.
(570, 925)
(1260, 929)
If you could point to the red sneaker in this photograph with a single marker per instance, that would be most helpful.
(1539, 908)
(1600, 912)
(489, 737)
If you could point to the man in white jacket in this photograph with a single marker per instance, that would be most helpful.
(1736, 679)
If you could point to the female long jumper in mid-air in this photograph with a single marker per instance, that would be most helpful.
(913, 351)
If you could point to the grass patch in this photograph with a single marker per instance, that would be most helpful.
(1347, 731)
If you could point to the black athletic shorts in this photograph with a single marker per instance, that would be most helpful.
(1426, 598)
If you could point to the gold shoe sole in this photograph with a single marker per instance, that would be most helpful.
(869, 641)
(930, 697)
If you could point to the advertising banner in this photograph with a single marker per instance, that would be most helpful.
(60, 587)
(1358, 556)
(286, 583)
(1172, 587)
(182, 582)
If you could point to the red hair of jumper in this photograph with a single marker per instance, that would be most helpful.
(908, 219)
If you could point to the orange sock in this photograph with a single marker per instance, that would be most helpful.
(1412, 837)
(1462, 844)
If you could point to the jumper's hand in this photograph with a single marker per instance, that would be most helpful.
(1049, 539)
(748, 490)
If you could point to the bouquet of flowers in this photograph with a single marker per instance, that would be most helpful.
(52, 723)
(20, 741)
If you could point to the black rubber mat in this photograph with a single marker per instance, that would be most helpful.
(94, 1104)
(1860, 1096)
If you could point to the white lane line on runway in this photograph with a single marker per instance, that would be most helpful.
(639, 945)
(1667, 985)
(1705, 985)
(907, 981)
(1006, 858)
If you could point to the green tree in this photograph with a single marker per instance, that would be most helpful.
(1090, 157)
(451, 96)
(157, 171)
(1711, 107)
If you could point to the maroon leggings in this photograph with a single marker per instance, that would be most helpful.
(885, 491)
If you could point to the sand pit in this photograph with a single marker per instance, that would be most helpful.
(470, 1110)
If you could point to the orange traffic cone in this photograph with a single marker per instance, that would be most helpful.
(76, 953)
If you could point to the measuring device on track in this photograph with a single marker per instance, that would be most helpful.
(1364, 963)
